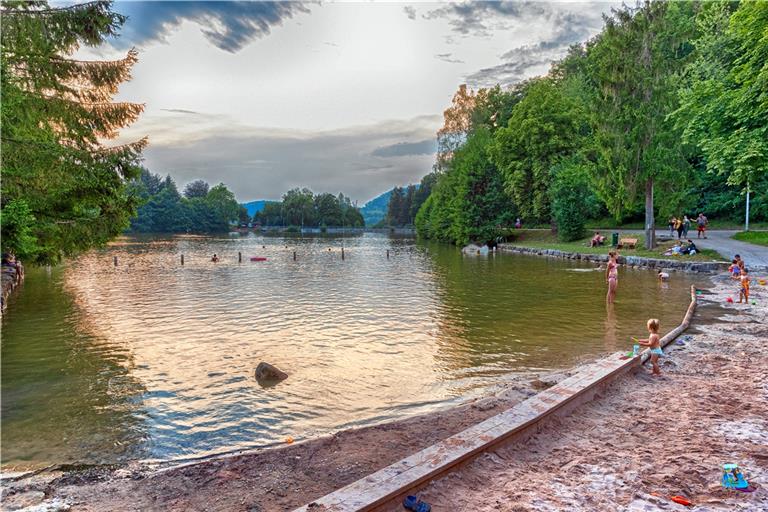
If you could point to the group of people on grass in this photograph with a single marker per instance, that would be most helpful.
(682, 249)
(681, 226)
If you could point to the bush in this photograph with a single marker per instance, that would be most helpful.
(572, 199)
(17, 221)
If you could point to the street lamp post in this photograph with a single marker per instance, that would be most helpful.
(746, 220)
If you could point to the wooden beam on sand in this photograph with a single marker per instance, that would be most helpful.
(395, 481)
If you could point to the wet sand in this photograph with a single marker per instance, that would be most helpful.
(647, 438)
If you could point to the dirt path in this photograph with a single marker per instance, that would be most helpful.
(668, 436)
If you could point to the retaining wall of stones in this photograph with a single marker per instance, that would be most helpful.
(630, 261)
(10, 280)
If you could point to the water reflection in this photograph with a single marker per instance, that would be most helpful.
(155, 359)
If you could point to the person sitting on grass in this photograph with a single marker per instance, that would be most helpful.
(598, 239)
(654, 343)
(675, 250)
(689, 249)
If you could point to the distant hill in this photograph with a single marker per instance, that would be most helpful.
(376, 209)
(255, 207)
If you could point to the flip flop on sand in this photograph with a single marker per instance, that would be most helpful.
(415, 504)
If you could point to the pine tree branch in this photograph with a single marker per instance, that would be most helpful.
(55, 10)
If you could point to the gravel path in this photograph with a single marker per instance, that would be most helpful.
(755, 256)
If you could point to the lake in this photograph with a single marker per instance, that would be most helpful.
(155, 360)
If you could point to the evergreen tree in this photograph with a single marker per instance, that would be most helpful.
(197, 188)
(635, 65)
(55, 113)
(395, 206)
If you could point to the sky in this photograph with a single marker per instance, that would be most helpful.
(337, 97)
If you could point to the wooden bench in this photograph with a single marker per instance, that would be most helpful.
(629, 243)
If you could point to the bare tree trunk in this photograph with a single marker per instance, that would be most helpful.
(650, 224)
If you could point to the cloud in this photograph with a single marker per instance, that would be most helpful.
(448, 57)
(424, 147)
(180, 111)
(263, 163)
(229, 26)
(529, 60)
(410, 11)
(478, 18)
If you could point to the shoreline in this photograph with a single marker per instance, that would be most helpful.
(271, 479)
(629, 261)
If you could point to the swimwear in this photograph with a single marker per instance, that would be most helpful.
(657, 351)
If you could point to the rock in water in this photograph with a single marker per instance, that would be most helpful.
(267, 372)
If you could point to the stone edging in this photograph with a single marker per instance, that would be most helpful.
(630, 261)
(10, 280)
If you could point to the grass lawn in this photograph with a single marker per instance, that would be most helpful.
(753, 237)
(546, 240)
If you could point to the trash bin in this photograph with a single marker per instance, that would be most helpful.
(614, 239)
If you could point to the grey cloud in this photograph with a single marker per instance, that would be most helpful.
(263, 163)
(479, 17)
(410, 11)
(448, 57)
(424, 147)
(180, 111)
(521, 62)
(228, 25)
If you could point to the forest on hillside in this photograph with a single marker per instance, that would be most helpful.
(665, 112)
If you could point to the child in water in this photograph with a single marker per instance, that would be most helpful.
(654, 343)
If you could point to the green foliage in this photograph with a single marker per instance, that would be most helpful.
(17, 221)
(164, 210)
(55, 114)
(724, 104)
(300, 207)
(545, 126)
(572, 199)
(634, 66)
(197, 188)
(468, 202)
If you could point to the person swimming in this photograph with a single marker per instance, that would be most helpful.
(215, 258)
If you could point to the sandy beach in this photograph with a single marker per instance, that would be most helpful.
(646, 439)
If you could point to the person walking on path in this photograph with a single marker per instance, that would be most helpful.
(679, 228)
(671, 225)
(701, 224)
(686, 225)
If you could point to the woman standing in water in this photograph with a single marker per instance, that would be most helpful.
(612, 276)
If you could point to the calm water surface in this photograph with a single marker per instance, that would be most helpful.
(153, 360)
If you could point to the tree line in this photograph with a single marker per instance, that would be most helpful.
(302, 208)
(663, 112)
(201, 208)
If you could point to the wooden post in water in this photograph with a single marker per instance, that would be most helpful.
(387, 253)
(239, 257)
(294, 255)
(115, 260)
(342, 253)
(182, 259)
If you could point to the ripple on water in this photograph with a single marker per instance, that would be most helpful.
(155, 360)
